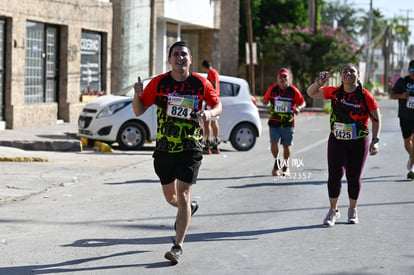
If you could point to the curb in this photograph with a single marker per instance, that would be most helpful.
(41, 145)
(23, 159)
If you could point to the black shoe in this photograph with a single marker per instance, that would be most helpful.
(410, 175)
(194, 207)
(285, 171)
(174, 255)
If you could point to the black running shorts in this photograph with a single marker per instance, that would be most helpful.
(183, 166)
(407, 127)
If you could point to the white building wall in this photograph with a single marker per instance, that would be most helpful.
(135, 51)
(186, 14)
(161, 59)
(135, 47)
(199, 12)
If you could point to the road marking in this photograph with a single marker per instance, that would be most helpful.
(311, 146)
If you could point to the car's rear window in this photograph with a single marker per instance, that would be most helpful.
(229, 89)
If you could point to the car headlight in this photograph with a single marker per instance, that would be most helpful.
(111, 109)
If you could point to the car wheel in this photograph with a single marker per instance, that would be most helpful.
(131, 136)
(243, 137)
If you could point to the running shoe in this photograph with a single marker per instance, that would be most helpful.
(206, 149)
(215, 149)
(275, 172)
(410, 175)
(331, 217)
(285, 171)
(194, 207)
(352, 215)
(174, 255)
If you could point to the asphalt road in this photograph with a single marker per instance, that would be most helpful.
(96, 213)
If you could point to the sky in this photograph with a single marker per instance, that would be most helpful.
(391, 9)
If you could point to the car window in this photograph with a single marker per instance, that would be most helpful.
(129, 90)
(229, 89)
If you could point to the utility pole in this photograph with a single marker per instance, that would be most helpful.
(368, 55)
(387, 49)
(313, 15)
(313, 24)
(250, 46)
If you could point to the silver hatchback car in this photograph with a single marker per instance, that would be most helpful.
(111, 119)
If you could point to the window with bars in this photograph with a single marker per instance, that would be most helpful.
(91, 63)
(2, 35)
(41, 63)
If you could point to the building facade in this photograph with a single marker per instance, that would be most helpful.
(146, 29)
(50, 51)
(54, 54)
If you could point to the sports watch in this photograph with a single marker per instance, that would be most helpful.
(375, 140)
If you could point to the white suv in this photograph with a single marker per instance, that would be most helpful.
(111, 119)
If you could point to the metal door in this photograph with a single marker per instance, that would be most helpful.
(2, 95)
(41, 63)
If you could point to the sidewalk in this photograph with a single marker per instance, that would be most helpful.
(60, 137)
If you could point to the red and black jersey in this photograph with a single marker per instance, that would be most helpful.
(282, 104)
(176, 103)
(350, 110)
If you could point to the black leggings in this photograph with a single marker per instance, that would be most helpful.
(346, 156)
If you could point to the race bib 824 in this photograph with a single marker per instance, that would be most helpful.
(181, 106)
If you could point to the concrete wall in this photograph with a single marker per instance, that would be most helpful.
(71, 17)
(229, 37)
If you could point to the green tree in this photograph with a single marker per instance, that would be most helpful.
(281, 11)
(306, 53)
(266, 12)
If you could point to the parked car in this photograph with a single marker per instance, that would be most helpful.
(110, 118)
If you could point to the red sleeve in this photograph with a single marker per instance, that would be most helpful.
(213, 77)
(370, 99)
(210, 94)
(328, 90)
(299, 99)
(268, 93)
(150, 92)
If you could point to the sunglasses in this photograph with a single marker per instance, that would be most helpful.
(411, 70)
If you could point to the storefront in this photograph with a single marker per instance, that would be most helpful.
(55, 50)
(2, 54)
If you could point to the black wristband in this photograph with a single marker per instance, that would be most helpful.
(375, 140)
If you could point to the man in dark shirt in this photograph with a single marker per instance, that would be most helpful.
(403, 90)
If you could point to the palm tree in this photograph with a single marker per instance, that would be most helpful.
(341, 14)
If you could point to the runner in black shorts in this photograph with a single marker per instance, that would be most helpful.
(407, 127)
(403, 90)
(182, 166)
(179, 97)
